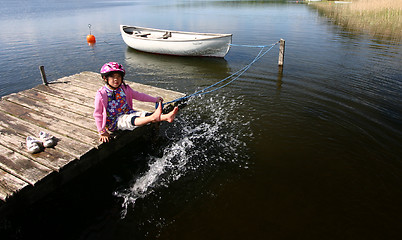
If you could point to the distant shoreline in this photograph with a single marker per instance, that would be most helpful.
(381, 18)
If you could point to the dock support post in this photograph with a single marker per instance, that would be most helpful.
(42, 72)
(281, 52)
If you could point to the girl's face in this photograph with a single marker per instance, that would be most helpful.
(114, 80)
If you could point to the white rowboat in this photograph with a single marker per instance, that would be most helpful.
(176, 42)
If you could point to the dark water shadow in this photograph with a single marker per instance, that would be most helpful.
(186, 73)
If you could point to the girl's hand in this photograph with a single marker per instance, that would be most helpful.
(160, 99)
(104, 137)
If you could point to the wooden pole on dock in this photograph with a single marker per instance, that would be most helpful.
(42, 72)
(281, 52)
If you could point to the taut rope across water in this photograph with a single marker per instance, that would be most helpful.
(235, 75)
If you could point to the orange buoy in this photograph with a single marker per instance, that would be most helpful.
(91, 38)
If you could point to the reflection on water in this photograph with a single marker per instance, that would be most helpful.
(188, 72)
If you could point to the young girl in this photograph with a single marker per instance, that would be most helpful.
(114, 104)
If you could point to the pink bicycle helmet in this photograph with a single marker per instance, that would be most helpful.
(111, 67)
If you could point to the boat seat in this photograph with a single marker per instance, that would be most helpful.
(141, 34)
(166, 35)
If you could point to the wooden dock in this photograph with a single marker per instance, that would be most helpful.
(64, 109)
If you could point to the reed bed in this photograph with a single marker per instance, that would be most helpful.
(377, 17)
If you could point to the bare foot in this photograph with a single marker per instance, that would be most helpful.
(169, 117)
(156, 116)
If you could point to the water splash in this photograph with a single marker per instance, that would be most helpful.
(210, 131)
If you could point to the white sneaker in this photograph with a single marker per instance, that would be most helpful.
(47, 139)
(33, 145)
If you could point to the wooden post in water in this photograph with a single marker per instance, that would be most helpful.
(42, 73)
(280, 75)
(281, 52)
(280, 60)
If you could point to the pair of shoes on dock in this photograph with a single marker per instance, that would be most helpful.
(35, 145)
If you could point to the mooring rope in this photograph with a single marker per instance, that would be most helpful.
(251, 46)
(238, 73)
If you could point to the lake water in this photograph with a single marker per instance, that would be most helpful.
(313, 153)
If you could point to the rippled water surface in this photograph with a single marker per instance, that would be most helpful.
(310, 153)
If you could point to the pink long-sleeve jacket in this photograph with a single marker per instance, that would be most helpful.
(101, 103)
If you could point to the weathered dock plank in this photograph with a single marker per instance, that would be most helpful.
(24, 129)
(9, 184)
(60, 102)
(64, 109)
(52, 111)
(52, 158)
(80, 95)
(85, 80)
(49, 122)
(21, 166)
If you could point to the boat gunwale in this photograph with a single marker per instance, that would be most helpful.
(214, 35)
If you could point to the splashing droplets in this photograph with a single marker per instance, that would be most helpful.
(203, 140)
